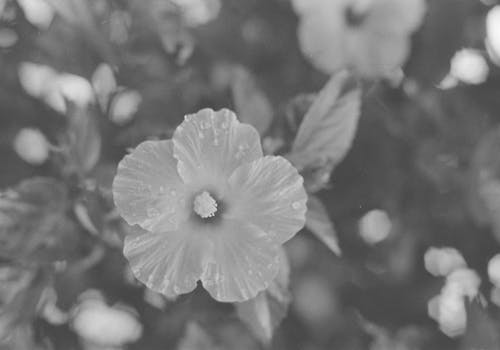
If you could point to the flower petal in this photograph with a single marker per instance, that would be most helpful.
(269, 193)
(169, 263)
(147, 189)
(243, 262)
(209, 145)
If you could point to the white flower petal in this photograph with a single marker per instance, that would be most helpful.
(269, 193)
(244, 261)
(209, 145)
(169, 263)
(147, 189)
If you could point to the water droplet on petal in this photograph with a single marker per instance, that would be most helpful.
(241, 151)
(296, 205)
(152, 212)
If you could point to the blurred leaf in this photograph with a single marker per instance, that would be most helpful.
(265, 312)
(8, 38)
(319, 223)
(328, 129)
(20, 292)
(296, 109)
(437, 40)
(485, 182)
(84, 141)
(481, 333)
(251, 105)
(79, 14)
(196, 338)
(90, 209)
(33, 225)
(104, 84)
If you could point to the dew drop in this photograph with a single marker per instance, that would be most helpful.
(152, 212)
(241, 151)
(296, 205)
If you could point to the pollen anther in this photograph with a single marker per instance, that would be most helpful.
(205, 205)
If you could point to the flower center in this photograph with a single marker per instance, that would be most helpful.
(356, 13)
(205, 205)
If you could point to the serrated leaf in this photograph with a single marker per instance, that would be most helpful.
(33, 225)
(329, 126)
(265, 312)
(319, 223)
(481, 332)
(251, 105)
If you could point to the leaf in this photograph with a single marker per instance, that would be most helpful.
(319, 223)
(328, 128)
(90, 209)
(84, 141)
(80, 15)
(485, 182)
(251, 105)
(8, 38)
(265, 312)
(20, 293)
(196, 338)
(481, 332)
(33, 225)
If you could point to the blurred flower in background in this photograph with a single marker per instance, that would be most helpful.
(375, 226)
(443, 261)
(32, 146)
(54, 88)
(467, 66)
(38, 12)
(104, 327)
(198, 12)
(371, 37)
(448, 308)
(492, 40)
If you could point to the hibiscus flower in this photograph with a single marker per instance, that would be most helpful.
(211, 208)
(371, 37)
